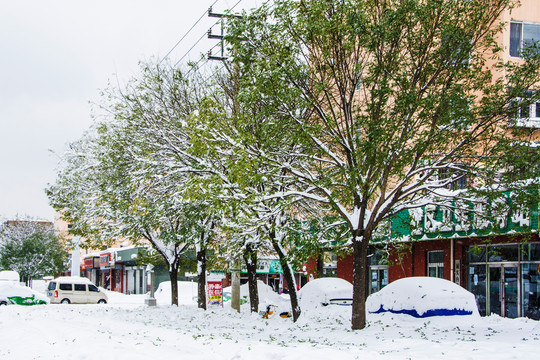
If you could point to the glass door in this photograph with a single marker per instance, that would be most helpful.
(503, 290)
(379, 278)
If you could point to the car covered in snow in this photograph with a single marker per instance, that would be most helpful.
(74, 290)
(9, 276)
(16, 294)
(324, 292)
(423, 297)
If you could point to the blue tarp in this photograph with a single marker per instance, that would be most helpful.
(432, 312)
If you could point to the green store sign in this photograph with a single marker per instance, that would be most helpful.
(452, 221)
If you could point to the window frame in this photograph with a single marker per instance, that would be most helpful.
(438, 266)
(515, 50)
(526, 115)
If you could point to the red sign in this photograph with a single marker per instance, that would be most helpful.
(88, 263)
(215, 292)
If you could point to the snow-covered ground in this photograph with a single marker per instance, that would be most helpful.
(127, 329)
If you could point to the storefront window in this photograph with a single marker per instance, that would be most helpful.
(530, 278)
(477, 254)
(513, 272)
(500, 253)
(476, 284)
(377, 257)
(530, 252)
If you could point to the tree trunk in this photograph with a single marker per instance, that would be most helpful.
(201, 267)
(173, 276)
(359, 282)
(250, 257)
(296, 311)
(320, 265)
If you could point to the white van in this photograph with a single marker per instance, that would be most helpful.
(74, 290)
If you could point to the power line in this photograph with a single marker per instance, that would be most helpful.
(187, 33)
(199, 40)
(191, 48)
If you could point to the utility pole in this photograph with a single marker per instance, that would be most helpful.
(216, 37)
(236, 263)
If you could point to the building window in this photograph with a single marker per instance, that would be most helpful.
(329, 264)
(435, 264)
(529, 111)
(526, 113)
(457, 179)
(522, 35)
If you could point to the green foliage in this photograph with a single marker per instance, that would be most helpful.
(379, 99)
(32, 249)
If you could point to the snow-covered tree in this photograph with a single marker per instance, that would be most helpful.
(402, 99)
(131, 175)
(260, 218)
(31, 248)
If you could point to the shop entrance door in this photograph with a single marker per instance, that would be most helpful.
(503, 290)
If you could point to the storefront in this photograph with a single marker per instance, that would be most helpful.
(497, 259)
(91, 268)
(270, 272)
(134, 277)
(505, 279)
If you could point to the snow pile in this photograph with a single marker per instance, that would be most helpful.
(187, 293)
(267, 296)
(40, 286)
(423, 297)
(320, 292)
(9, 276)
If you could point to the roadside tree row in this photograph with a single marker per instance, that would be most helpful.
(352, 111)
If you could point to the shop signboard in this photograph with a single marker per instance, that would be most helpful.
(455, 220)
(88, 263)
(104, 261)
(215, 293)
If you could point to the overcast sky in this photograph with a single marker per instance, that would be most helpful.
(55, 55)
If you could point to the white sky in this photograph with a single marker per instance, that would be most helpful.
(55, 56)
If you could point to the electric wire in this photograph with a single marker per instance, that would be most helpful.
(187, 33)
(199, 40)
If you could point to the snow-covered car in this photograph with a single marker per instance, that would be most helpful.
(9, 276)
(325, 291)
(423, 297)
(12, 293)
(75, 290)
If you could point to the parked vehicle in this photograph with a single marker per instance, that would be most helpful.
(75, 290)
(422, 297)
(324, 292)
(14, 293)
(9, 276)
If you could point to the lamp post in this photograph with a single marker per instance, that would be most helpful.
(76, 257)
(150, 301)
(235, 286)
